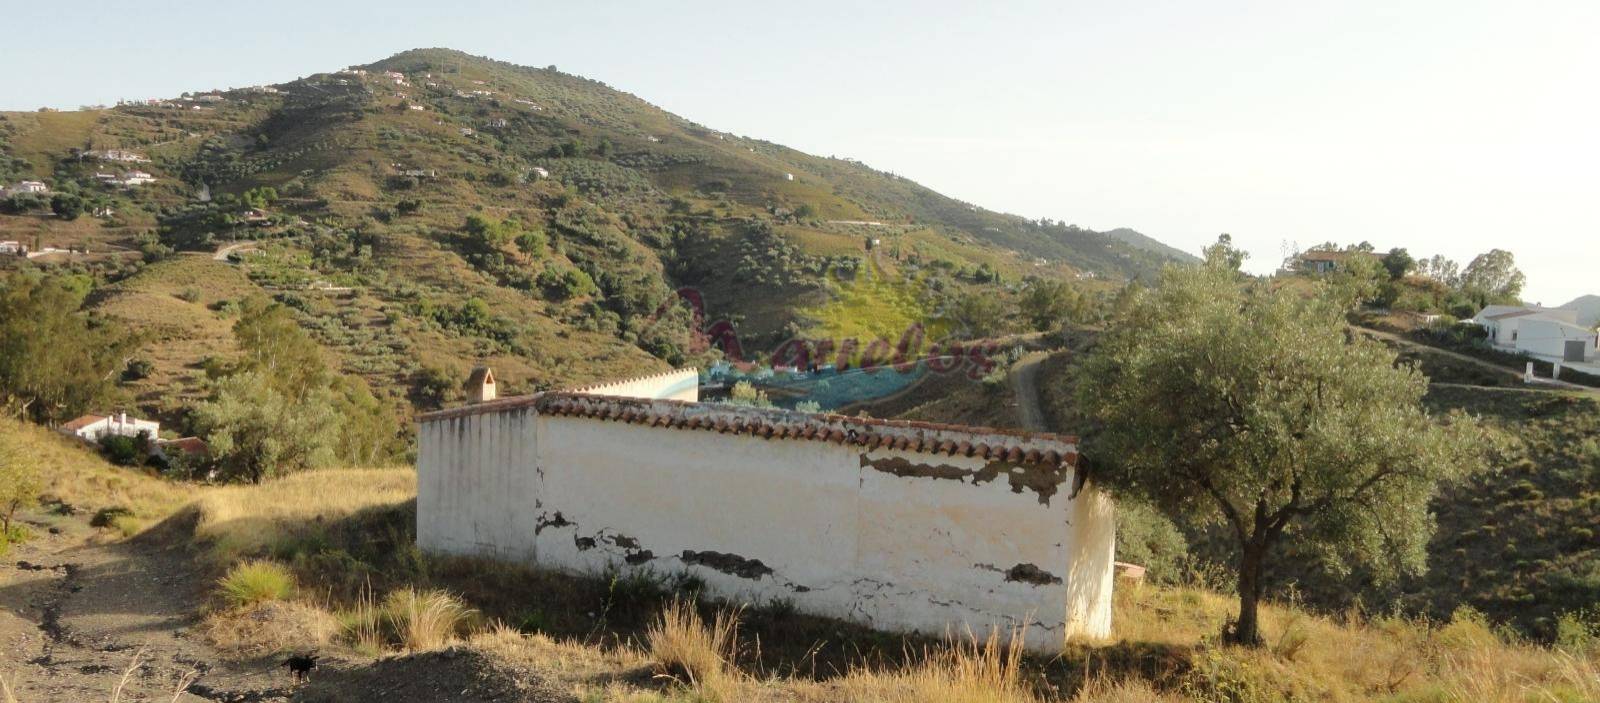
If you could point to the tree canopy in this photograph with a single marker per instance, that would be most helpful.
(55, 362)
(1226, 399)
(1494, 277)
(280, 408)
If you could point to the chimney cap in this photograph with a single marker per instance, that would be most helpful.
(481, 376)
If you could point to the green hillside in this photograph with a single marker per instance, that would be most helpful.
(1144, 242)
(435, 210)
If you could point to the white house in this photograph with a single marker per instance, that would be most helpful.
(1553, 333)
(121, 155)
(9, 247)
(136, 178)
(897, 525)
(26, 187)
(91, 428)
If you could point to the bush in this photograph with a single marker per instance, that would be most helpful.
(425, 619)
(109, 516)
(138, 369)
(257, 581)
(122, 450)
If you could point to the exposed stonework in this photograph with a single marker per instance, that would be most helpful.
(727, 563)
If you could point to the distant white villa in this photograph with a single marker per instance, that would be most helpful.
(1546, 332)
(92, 428)
(24, 187)
(122, 155)
(129, 179)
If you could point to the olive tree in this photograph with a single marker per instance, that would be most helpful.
(1226, 399)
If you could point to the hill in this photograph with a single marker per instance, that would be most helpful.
(1145, 242)
(434, 210)
(1588, 307)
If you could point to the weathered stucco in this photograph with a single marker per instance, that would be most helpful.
(893, 525)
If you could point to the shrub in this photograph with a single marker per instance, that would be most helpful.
(425, 619)
(138, 369)
(109, 516)
(256, 581)
(122, 450)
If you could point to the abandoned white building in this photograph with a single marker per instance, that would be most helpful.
(898, 525)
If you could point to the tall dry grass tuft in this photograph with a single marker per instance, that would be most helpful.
(363, 624)
(685, 648)
(426, 619)
(6, 694)
(1497, 674)
(969, 670)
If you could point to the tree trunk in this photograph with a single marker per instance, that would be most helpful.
(1247, 631)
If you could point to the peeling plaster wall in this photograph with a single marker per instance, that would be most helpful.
(893, 539)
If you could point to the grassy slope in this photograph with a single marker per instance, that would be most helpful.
(345, 531)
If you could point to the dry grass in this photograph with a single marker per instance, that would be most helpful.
(1314, 657)
(269, 628)
(966, 671)
(698, 655)
(362, 625)
(426, 619)
(77, 476)
(245, 520)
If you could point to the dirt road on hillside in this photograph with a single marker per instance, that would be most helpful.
(1025, 382)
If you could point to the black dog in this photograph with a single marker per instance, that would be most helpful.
(300, 666)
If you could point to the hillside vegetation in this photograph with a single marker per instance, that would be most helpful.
(435, 210)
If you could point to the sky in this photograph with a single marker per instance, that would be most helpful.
(1441, 126)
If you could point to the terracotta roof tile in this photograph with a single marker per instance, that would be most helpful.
(900, 435)
(81, 422)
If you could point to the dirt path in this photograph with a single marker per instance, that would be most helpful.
(239, 247)
(1025, 382)
(75, 612)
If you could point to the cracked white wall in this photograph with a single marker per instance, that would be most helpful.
(827, 526)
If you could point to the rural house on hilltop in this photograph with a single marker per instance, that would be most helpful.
(1324, 261)
(898, 525)
(1552, 333)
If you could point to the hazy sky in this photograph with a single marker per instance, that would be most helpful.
(1447, 126)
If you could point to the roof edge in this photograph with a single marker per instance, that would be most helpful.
(780, 415)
